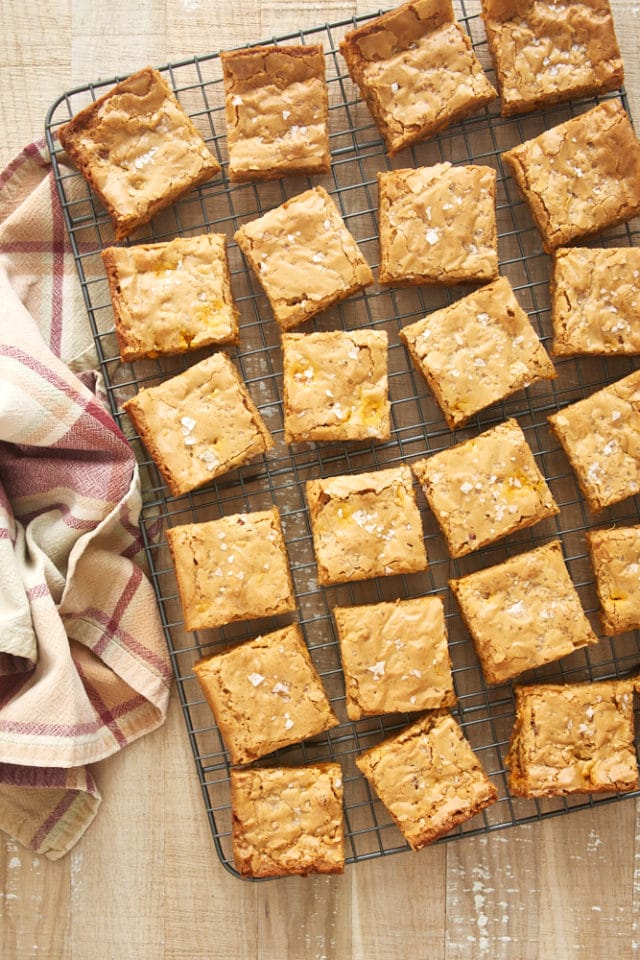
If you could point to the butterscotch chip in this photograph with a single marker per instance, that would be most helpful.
(171, 297)
(485, 488)
(523, 613)
(600, 437)
(304, 257)
(335, 385)
(477, 351)
(137, 149)
(288, 820)
(581, 176)
(235, 568)
(367, 525)
(615, 555)
(265, 694)
(595, 306)
(199, 424)
(395, 657)
(438, 224)
(276, 108)
(417, 71)
(428, 778)
(544, 53)
(573, 738)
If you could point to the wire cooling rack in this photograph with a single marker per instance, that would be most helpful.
(485, 712)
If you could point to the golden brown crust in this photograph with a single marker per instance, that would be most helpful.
(428, 777)
(288, 820)
(477, 351)
(199, 424)
(417, 71)
(304, 257)
(276, 107)
(544, 53)
(395, 657)
(523, 613)
(573, 738)
(438, 225)
(137, 149)
(580, 177)
(615, 556)
(485, 488)
(173, 297)
(335, 386)
(595, 301)
(600, 438)
(265, 694)
(235, 568)
(367, 525)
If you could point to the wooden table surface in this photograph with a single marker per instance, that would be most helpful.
(144, 882)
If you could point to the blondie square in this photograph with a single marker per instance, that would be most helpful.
(171, 297)
(367, 525)
(416, 69)
(276, 108)
(288, 820)
(199, 424)
(601, 437)
(395, 657)
(335, 386)
(485, 488)
(428, 778)
(137, 149)
(523, 613)
(438, 225)
(304, 257)
(595, 305)
(265, 694)
(546, 52)
(581, 176)
(477, 351)
(235, 568)
(615, 556)
(573, 738)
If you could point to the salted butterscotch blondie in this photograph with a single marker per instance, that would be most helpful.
(287, 820)
(234, 568)
(485, 488)
(137, 149)
(304, 257)
(365, 525)
(600, 437)
(580, 177)
(335, 385)
(615, 556)
(417, 71)
(573, 738)
(276, 108)
(595, 305)
(265, 694)
(428, 778)
(395, 657)
(477, 351)
(523, 613)
(545, 52)
(171, 297)
(438, 224)
(199, 424)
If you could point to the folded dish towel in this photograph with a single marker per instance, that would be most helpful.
(84, 668)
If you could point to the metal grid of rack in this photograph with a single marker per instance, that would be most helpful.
(418, 428)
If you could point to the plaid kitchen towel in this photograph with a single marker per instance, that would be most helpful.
(84, 668)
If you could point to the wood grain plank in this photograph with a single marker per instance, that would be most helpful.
(206, 912)
(399, 906)
(145, 880)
